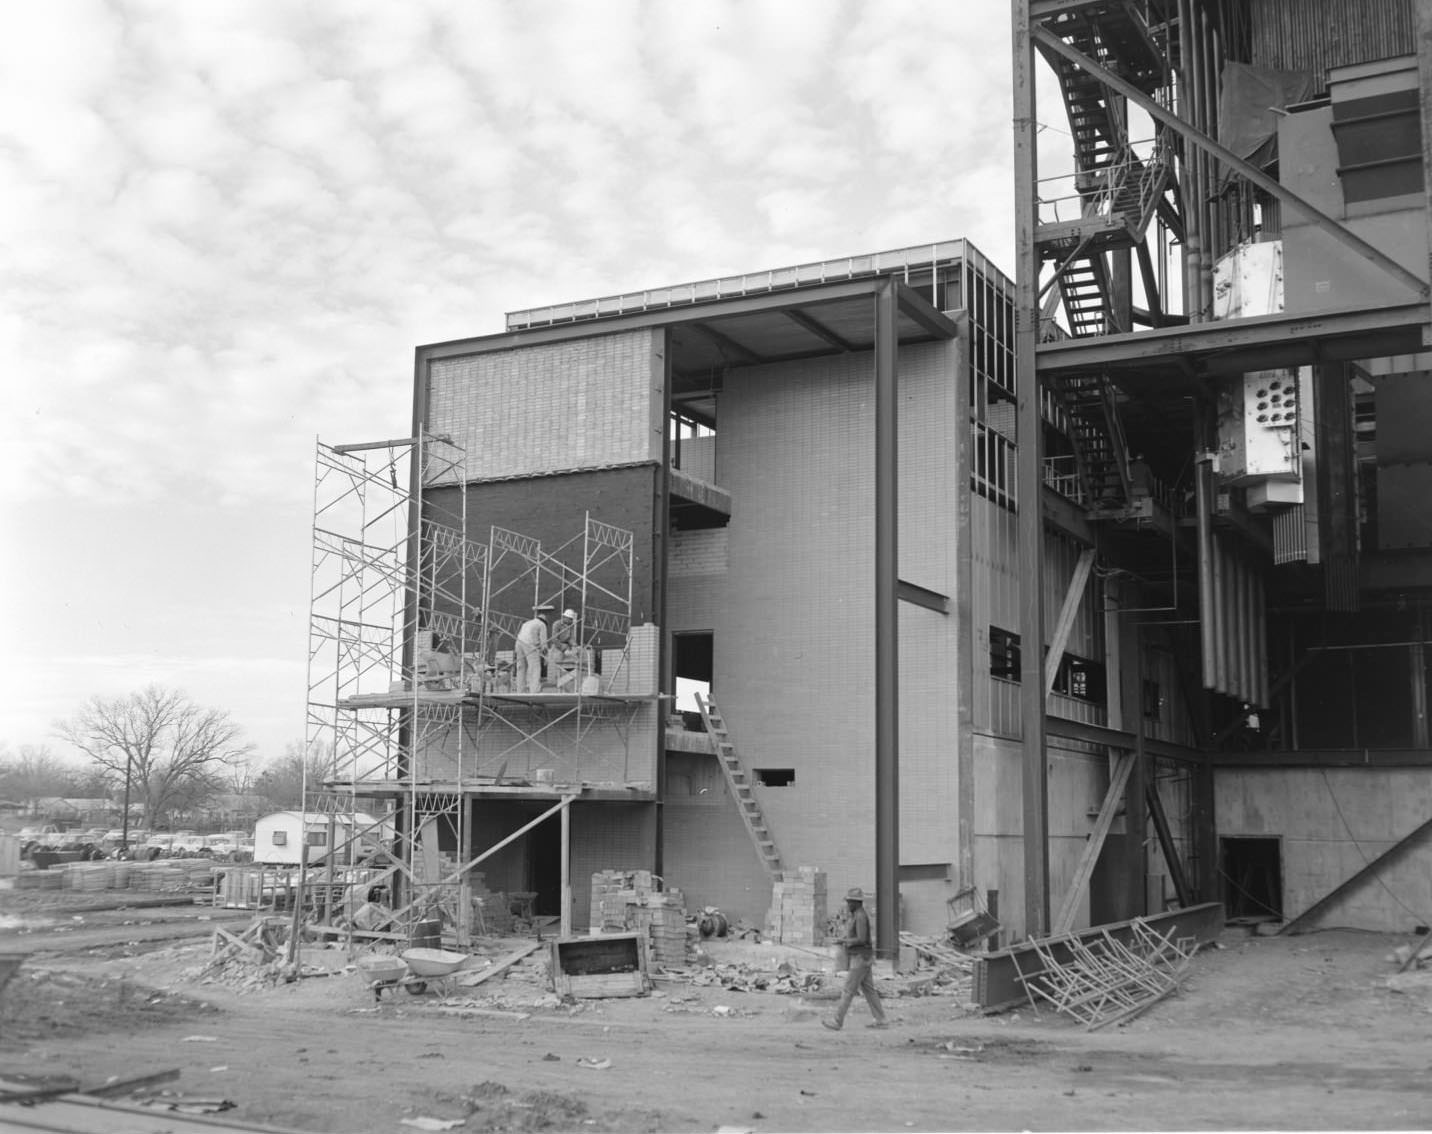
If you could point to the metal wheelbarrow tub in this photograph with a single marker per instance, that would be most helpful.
(434, 962)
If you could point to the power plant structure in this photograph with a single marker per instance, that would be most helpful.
(733, 582)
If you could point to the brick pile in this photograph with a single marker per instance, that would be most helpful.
(636, 900)
(798, 908)
(491, 911)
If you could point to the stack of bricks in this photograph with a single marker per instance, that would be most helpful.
(798, 908)
(492, 915)
(662, 917)
(624, 900)
(613, 891)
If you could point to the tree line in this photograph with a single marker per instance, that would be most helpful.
(175, 757)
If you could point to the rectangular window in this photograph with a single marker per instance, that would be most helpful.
(1153, 700)
(1004, 658)
(1081, 678)
(280, 838)
(317, 839)
(775, 777)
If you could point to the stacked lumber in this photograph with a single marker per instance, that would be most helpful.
(798, 908)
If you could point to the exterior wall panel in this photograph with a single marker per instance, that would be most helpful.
(556, 407)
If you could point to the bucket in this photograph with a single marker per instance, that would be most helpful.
(591, 685)
(428, 934)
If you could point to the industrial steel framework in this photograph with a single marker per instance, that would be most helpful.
(1144, 202)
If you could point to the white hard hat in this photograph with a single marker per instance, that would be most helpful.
(569, 613)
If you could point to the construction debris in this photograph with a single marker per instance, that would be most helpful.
(1103, 980)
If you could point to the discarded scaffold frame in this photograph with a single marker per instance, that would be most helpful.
(1104, 980)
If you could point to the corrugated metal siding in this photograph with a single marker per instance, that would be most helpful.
(1314, 35)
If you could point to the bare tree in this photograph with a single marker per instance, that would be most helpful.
(282, 779)
(32, 773)
(169, 750)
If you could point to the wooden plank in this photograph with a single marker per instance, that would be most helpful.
(1090, 855)
(503, 965)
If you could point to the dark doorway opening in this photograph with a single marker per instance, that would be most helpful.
(1252, 877)
(544, 867)
(693, 663)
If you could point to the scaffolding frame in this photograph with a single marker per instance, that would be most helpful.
(409, 620)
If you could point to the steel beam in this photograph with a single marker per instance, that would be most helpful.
(1029, 479)
(1233, 346)
(1067, 611)
(1246, 169)
(887, 622)
(1094, 844)
(1370, 870)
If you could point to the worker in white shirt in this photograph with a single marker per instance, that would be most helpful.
(561, 647)
(531, 644)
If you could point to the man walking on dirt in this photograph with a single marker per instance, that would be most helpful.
(862, 957)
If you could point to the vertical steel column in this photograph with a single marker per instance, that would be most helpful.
(1028, 481)
(963, 605)
(566, 924)
(887, 629)
(1423, 31)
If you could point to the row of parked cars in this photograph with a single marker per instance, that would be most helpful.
(228, 846)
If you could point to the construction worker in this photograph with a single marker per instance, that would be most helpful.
(561, 645)
(862, 958)
(530, 645)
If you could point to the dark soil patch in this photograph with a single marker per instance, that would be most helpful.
(40, 1004)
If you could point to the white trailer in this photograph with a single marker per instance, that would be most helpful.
(278, 837)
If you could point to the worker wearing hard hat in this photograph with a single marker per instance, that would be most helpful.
(562, 646)
(530, 645)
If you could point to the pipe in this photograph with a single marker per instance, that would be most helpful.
(1220, 655)
(1203, 490)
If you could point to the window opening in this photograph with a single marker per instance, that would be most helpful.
(775, 777)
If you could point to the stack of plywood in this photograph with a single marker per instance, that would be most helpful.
(798, 908)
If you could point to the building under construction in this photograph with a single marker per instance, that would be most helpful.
(809, 518)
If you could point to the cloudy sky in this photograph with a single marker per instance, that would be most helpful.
(225, 225)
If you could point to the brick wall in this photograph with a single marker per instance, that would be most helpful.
(554, 407)
(699, 552)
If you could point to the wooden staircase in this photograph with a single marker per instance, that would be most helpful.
(740, 784)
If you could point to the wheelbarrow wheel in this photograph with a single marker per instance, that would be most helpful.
(416, 987)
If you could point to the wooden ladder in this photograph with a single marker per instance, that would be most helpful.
(740, 785)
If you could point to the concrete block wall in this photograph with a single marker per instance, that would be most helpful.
(698, 458)
(704, 551)
(793, 613)
(555, 407)
(603, 744)
(1331, 823)
(707, 852)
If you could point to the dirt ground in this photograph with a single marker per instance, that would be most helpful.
(1310, 1033)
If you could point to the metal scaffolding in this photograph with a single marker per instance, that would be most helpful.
(411, 707)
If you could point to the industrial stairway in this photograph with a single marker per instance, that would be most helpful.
(740, 785)
(1097, 434)
(1119, 192)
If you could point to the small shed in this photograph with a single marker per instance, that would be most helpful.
(279, 837)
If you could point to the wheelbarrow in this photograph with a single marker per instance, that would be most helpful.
(430, 965)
